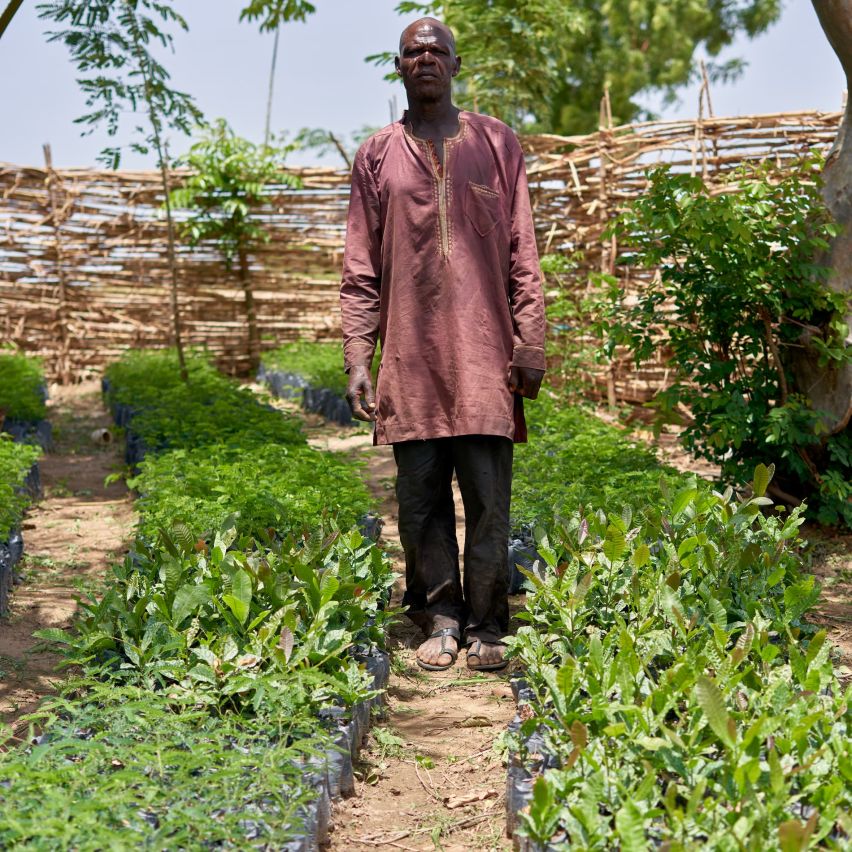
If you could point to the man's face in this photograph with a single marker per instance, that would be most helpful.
(427, 61)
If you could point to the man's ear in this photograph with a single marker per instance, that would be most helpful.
(396, 65)
(458, 66)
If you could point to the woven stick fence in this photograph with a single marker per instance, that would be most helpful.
(83, 273)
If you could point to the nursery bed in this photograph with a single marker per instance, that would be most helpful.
(245, 668)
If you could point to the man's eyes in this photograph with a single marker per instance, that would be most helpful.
(420, 50)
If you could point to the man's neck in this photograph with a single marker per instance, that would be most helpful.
(433, 115)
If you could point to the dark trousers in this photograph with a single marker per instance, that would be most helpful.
(427, 530)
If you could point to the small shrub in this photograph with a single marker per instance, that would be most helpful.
(319, 363)
(738, 294)
(21, 388)
(266, 486)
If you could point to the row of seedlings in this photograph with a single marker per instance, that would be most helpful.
(673, 693)
(312, 374)
(23, 397)
(574, 459)
(229, 668)
(24, 431)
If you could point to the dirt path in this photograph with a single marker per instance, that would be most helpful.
(432, 776)
(71, 536)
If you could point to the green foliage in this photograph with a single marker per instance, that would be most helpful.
(574, 459)
(208, 409)
(570, 310)
(738, 293)
(268, 486)
(15, 463)
(319, 363)
(237, 624)
(21, 381)
(229, 182)
(675, 681)
(544, 64)
(323, 141)
(272, 13)
(148, 772)
(113, 44)
(208, 657)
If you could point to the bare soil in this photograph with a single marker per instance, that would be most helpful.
(829, 554)
(70, 537)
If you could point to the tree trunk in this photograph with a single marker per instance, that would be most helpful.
(170, 231)
(251, 313)
(830, 390)
(267, 130)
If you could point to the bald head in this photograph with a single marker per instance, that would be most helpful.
(428, 26)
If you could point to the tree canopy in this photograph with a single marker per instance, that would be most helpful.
(544, 64)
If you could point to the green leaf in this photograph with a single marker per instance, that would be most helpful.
(241, 588)
(682, 499)
(792, 836)
(187, 602)
(614, 543)
(172, 574)
(238, 607)
(183, 538)
(762, 477)
(54, 634)
(712, 702)
(630, 828)
(641, 556)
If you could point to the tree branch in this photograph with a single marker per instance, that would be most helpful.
(9, 13)
(341, 150)
(776, 355)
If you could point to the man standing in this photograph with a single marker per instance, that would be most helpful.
(441, 266)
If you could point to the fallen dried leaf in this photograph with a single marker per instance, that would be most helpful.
(476, 722)
(452, 802)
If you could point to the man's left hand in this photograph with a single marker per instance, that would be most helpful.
(525, 381)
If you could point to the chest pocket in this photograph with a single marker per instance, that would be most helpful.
(482, 207)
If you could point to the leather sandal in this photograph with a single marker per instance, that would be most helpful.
(474, 650)
(443, 633)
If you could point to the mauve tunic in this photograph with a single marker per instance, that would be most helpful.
(441, 265)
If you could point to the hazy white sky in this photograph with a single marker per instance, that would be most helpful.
(323, 81)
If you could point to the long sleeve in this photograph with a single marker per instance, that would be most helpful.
(362, 268)
(525, 292)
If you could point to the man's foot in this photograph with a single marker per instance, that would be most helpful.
(486, 656)
(441, 649)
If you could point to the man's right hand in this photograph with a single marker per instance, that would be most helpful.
(360, 384)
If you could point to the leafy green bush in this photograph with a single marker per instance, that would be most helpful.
(208, 409)
(267, 486)
(15, 463)
(574, 459)
(21, 381)
(228, 625)
(738, 300)
(673, 676)
(320, 364)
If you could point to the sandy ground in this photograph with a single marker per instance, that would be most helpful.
(70, 537)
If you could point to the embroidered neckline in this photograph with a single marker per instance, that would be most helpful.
(406, 128)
